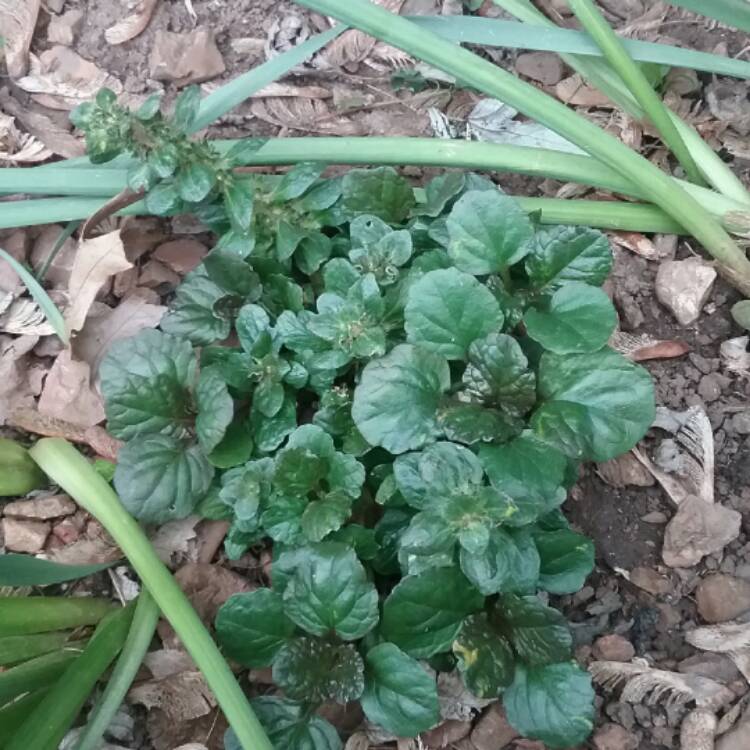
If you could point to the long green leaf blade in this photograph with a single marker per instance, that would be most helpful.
(493, 32)
(24, 570)
(47, 306)
(17, 648)
(36, 673)
(20, 615)
(732, 12)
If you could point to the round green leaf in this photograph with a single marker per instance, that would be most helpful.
(311, 670)
(476, 423)
(488, 232)
(330, 593)
(580, 318)
(328, 514)
(595, 406)
(399, 695)
(485, 657)
(252, 627)
(562, 254)
(159, 478)
(396, 402)
(539, 634)
(194, 182)
(381, 192)
(235, 447)
(447, 310)
(215, 409)
(554, 704)
(423, 613)
(567, 559)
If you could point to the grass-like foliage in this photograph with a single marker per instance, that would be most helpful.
(395, 387)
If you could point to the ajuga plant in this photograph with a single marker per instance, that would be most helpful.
(393, 387)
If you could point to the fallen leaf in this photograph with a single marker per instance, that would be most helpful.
(638, 244)
(167, 662)
(61, 79)
(68, 393)
(17, 21)
(574, 91)
(134, 24)
(192, 57)
(96, 261)
(23, 317)
(87, 550)
(17, 147)
(209, 586)
(58, 272)
(643, 347)
(625, 471)
(15, 390)
(735, 356)
(181, 697)
(456, 702)
(174, 542)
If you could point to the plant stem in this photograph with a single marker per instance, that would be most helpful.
(601, 76)
(67, 232)
(139, 639)
(47, 724)
(20, 615)
(69, 469)
(617, 56)
(488, 78)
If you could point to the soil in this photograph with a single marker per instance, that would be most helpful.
(654, 621)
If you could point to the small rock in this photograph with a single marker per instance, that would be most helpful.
(655, 517)
(446, 734)
(711, 386)
(737, 738)
(545, 67)
(741, 422)
(721, 597)
(493, 732)
(182, 256)
(649, 580)
(41, 508)
(185, 58)
(613, 648)
(614, 737)
(66, 532)
(717, 667)
(574, 91)
(63, 29)
(683, 286)
(25, 536)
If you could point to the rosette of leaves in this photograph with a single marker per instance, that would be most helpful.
(402, 422)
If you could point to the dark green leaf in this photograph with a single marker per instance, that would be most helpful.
(162, 199)
(310, 670)
(25, 570)
(290, 727)
(488, 232)
(539, 634)
(252, 627)
(159, 478)
(141, 176)
(269, 432)
(554, 704)
(236, 446)
(312, 252)
(230, 272)
(498, 374)
(146, 382)
(360, 538)
(186, 108)
(215, 409)
(561, 254)
(594, 406)
(381, 192)
(476, 423)
(297, 181)
(329, 593)
(195, 181)
(579, 319)
(567, 559)
(325, 515)
(243, 151)
(485, 657)
(423, 613)
(396, 402)
(447, 310)
(239, 194)
(400, 695)
(439, 192)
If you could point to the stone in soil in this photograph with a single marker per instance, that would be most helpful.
(545, 67)
(24, 536)
(722, 597)
(614, 737)
(683, 286)
(41, 508)
(493, 732)
(185, 58)
(650, 580)
(717, 667)
(737, 738)
(613, 648)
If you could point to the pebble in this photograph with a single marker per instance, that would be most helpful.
(41, 508)
(741, 422)
(656, 517)
(185, 58)
(722, 597)
(493, 732)
(700, 362)
(24, 536)
(737, 738)
(622, 713)
(683, 286)
(711, 386)
(545, 67)
(717, 667)
(613, 648)
(649, 580)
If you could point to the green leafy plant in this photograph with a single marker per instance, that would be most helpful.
(395, 393)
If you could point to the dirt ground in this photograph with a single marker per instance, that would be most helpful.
(654, 609)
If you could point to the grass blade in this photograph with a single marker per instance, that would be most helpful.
(21, 615)
(732, 12)
(17, 648)
(493, 32)
(47, 306)
(13, 715)
(36, 673)
(633, 76)
(47, 724)
(142, 630)
(24, 570)
(226, 98)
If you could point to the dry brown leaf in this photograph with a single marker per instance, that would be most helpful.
(17, 22)
(15, 389)
(68, 393)
(168, 661)
(209, 586)
(87, 550)
(643, 347)
(17, 147)
(638, 244)
(96, 261)
(182, 697)
(23, 317)
(106, 325)
(174, 542)
(309, 115)
(625, 471)
(61, 79)
(130, 26)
